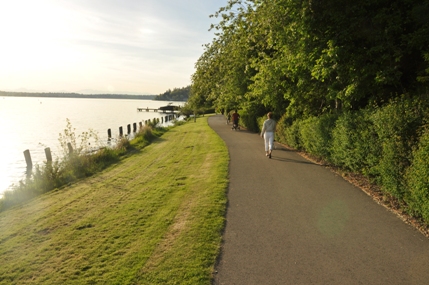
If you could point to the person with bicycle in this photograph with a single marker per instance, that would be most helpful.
(235, 117)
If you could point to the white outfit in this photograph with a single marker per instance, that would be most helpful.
(268, 130)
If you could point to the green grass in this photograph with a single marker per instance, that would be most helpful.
(81, 163)
(156, 217)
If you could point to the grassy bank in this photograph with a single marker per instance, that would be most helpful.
(154, 218)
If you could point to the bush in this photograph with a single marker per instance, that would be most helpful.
(375, 142)
(355, 144)
(250, 115)
(249, 121)
(315, 135)
(397, 126)
(288, 131)
(417, 180)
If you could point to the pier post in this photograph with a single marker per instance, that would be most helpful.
(134, 127)
(109, 134)
(48, 154)
(128, 129)
(141, 125)
(27, 156)
(70, 148)
(121, 132)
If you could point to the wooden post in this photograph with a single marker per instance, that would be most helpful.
(141, 125)
(134, 127)
(48, 154)
(27, 156)
(128, 129)
(121, 132)
(70, 148)
(109, 134)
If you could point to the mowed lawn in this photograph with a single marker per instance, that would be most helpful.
(154, 218)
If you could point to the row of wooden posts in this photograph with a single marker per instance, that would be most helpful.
(48, 154)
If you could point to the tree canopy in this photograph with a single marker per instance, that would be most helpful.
(312, 57)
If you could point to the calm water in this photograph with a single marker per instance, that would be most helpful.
(35, 123)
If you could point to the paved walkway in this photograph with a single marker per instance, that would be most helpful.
(290, 221)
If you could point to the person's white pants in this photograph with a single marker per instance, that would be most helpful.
(269, 141)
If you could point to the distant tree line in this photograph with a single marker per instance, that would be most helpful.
(76, 95)
(177, 94)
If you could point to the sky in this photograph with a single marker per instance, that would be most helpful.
(102, 46)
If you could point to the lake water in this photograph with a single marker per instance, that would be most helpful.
(35, 123)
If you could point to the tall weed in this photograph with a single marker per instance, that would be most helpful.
(84, 160)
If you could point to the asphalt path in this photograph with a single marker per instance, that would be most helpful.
(290, 221)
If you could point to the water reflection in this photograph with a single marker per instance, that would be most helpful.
(25, 123)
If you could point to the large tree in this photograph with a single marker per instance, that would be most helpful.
(312, 57)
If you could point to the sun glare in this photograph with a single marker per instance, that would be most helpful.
(33, 35)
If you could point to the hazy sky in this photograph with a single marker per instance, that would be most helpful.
(102, 46)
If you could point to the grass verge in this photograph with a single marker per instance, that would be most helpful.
(155, 217)
(82, 162)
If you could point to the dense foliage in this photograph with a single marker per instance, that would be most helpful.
(311, 57)
(177, 94)
(388, 145)
(347, 81)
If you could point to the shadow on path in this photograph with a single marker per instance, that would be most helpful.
(289, 222)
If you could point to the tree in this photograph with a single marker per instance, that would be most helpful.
(312, 57)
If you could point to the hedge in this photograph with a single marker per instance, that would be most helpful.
(383, 143)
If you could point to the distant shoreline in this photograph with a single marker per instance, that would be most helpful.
(77, 95)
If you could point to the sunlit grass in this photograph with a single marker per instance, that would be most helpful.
(155, 217)
(81, 162)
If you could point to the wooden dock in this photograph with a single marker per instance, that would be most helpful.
(164, 109)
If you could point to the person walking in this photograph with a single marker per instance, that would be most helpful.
(268, 130)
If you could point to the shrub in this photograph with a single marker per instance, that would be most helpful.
(249, 116)
(315, 135)
(292, 135)
(249, 121)
(417, 179)
(355, 144)
(397, 126)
